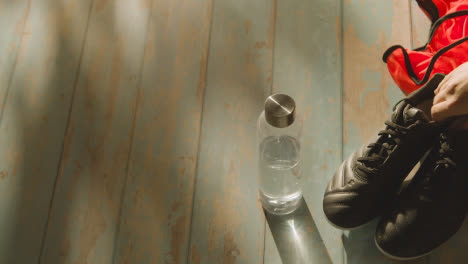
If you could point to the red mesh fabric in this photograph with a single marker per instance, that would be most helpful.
(435, 9)
(449, 6)
(446, 49)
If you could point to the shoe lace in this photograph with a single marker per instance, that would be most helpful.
(379, 151)
(443, 163)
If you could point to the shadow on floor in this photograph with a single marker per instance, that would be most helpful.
(359, 247)
(297, 238)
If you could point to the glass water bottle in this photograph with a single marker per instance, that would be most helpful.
(279, 133)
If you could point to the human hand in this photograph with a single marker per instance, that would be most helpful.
(451, 96)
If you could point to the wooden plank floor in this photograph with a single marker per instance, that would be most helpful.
(369, 92)
(127, 128)
(307, 66)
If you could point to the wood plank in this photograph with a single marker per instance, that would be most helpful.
(272, 254)
(156, 212)
(228, 222)
(13, 17)
(370, 27)
(85, 211)
(34, 121)
(307, 66)
(454, 251)
(420, 26)
(296, 238)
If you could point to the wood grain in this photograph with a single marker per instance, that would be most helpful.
(84, 215)
(307, 66)
(271, 253)
(369, 92)
(420, 26)
(13, 17)
(370, 27)
(228, 222)
(156, 213)
(142, 115)
(34, 121)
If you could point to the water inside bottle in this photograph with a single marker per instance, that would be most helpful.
(280, 172)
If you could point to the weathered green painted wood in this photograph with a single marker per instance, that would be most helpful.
(454, 251)
(307, 66)
(420, 26)
(228, 222)
(13, 16)
(272, 254)
(85, 211)
(156, 212)
(34, 120)
(296, 238)
(370, 27)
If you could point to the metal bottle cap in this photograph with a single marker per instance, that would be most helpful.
(280, 110)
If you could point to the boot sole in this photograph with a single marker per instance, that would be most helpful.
(400, 258)
(344, 228)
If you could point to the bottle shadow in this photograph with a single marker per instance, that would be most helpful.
(296, 237)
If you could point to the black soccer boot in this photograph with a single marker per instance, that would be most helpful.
(433, 206)
(365, 182)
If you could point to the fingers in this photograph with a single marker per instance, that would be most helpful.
(441, 111)
(448, 108)
(451, 95)
(442, 83)
(460, 73)
(440, 97)
(450, 101)
(447, 90)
